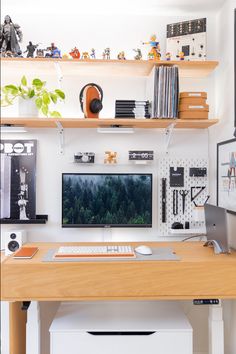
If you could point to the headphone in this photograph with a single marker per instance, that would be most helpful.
(96, 104)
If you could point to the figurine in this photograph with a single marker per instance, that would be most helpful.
(40, 53)
(110, 157)
(56, 53)
(155, 48)
(75, 53)
(66, 56)
(168, 56)
(121, 56)
(106, 54)
(139, 55)
(9, 32)
(30, 49)
(52, 52)
(85, 55)
(181, 55)
(93, 55)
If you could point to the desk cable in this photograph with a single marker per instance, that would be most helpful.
(188, 238)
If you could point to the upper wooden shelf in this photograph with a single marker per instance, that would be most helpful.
(99, 67)
(105, 122)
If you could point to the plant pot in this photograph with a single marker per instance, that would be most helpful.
(27, 108)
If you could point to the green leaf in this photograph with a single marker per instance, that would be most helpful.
(53, 97)
(24, 81)
(55, 114)
(31, 93)
(60, 94)
(10, 87)
(46, 98)
(39, 103)
(45, 110)
(38, 83)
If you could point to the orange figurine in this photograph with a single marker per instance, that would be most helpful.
(75, 54)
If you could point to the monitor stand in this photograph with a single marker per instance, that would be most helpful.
(107, 234)
(217, 248)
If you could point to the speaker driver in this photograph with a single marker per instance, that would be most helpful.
(13, 246)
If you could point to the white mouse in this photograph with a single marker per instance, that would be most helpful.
(144, 250)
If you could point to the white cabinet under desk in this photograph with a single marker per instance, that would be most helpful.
(121, 327)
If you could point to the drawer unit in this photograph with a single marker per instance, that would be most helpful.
(120, 327)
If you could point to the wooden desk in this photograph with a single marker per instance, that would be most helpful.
(199, 274)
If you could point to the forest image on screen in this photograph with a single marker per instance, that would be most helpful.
(99, 200)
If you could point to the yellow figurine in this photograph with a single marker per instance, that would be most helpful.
(85, 55)
(154, 53)
(121, 56)
(181, 55)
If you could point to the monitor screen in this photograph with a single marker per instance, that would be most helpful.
(106, 200)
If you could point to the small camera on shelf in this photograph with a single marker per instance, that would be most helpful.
(84, 157)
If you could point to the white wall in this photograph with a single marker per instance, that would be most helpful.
(225, 96)
(120, 33)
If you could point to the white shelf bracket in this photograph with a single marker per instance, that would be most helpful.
(58, 72)
(168, 134)
(61, 136)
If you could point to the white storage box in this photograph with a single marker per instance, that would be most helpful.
(156, 327)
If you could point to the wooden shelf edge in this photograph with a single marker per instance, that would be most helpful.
(95, 123)
(123, 67)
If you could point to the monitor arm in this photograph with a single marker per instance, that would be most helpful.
(217, 248)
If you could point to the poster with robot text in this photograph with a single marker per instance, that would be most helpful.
(18, 179)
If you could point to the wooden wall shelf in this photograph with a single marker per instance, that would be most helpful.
(99, 67)
(95, 123)
(40, 219)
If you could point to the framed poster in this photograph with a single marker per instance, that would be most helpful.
(226, 175)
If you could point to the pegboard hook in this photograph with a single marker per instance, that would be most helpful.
(168, 133)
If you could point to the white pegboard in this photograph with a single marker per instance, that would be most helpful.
(164, 172)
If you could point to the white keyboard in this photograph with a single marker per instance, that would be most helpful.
(95, 251)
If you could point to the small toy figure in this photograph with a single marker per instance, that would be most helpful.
(9, 32)
(85, 55)
(121, 56)
(106, 54)
(93, 55)
(53, 52)
(66, 56)
(40, 53)
(110, 157)
(155, 48)
(56, 53)
(139, 55)
(181, 55)
(30, 49)
(75, 53)
(168, 56)
(150, 56)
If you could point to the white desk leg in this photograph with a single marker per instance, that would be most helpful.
(33, 328)
(216, 329)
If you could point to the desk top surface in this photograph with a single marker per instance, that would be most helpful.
(199, 274)
(188, 251)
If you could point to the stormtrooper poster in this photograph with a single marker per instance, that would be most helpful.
(18, 177)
